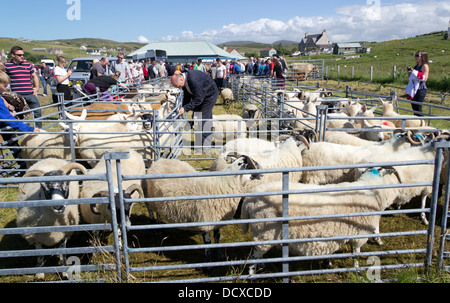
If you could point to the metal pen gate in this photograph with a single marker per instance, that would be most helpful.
(122, 256)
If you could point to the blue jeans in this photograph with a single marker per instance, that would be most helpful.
(33, 103)
(44, 84)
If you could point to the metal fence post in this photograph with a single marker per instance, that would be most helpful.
(115, 228)
(321, 121)
(285, 225)
(444, 236)
(433, 203)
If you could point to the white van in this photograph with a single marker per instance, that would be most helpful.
(50, 63)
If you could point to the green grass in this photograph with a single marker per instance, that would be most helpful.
(70, 47)
(400, 53)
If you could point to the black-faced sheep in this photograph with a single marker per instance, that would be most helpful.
(287, 154)
(101, 213)
(56, 215)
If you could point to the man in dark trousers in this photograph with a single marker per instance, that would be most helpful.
(200, 96)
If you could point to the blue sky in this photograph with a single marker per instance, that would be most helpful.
(255, 20)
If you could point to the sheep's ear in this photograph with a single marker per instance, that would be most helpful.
(83, 114)
(63, 125)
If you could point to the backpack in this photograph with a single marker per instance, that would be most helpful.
(19, 103)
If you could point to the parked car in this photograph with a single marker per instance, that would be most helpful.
(81, 72)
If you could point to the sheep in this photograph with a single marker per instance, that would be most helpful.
(252, 111)
(388, 111)
(349, 139)
(325, 153)
(43, 145)
(94, 139)
(376, 133)
(203, 210)
(287, 154)
(313, 204)
(227, 95)
(302, 70)
(135, 121)
(411, 174)
(245, 146)
(101, 213)
(226, 127)
(56, 215)
(101, 110)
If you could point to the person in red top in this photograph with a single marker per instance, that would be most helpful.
(271, 67)
(21, 72)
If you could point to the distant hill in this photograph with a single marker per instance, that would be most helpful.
(288, 42)
(70, 47)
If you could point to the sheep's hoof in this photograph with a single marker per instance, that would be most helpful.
(65, 276)
(378, 241)
(220, 256)
(423, 217)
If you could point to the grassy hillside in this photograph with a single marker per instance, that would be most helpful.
(70, 47)
(385, 55)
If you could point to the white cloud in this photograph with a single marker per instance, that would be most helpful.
(142, 39)
(351, 23)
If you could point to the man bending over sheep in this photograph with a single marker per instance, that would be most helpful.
(200, 96)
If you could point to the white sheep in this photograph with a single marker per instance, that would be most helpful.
(101, 213)
(348, 139)
(325, 153)
(43, 145)
(135, 121)
(287, 154)
(56, 215)
(228, 127)
(204, 210)
(410, 174)
(388, 111)
(94, 139)
(315, 204)
(227, 95)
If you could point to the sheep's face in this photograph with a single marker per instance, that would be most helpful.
(243, 162)
(147, 123)
(56, 190)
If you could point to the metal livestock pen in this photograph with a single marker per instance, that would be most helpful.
(164, 252)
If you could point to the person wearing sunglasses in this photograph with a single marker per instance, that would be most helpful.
(416, 89)
(21, 72)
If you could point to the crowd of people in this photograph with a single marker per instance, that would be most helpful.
(22, 78)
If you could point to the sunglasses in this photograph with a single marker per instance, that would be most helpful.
(19, 55)
(418, 56)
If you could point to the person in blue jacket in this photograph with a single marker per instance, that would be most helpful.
(5, 112)
(200, 95)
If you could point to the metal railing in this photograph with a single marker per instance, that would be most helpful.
(124, 254)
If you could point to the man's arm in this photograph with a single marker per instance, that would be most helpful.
(36, 83)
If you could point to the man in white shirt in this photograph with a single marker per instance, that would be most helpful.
(221, 74)
(121, 66)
